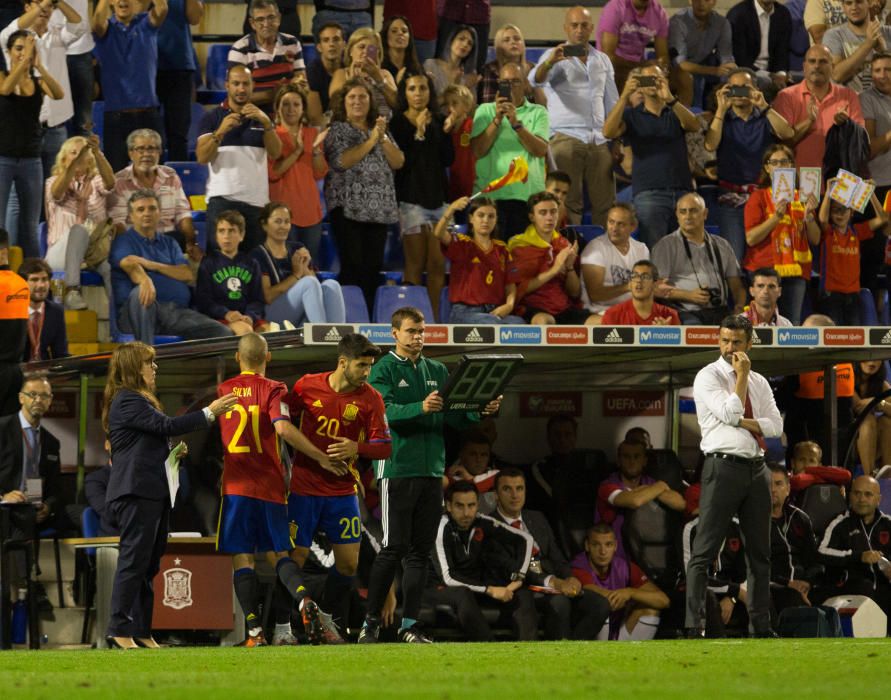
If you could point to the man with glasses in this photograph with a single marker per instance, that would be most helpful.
(273, 58)
(641, 309)
(146, 173)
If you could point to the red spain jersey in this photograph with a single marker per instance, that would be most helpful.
(323, 414)
(477, 277)
(530, 256)
(252, 463)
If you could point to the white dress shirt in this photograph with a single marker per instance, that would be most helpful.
(764, 22)
(719, 411)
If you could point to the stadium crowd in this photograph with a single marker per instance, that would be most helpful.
(503, 180)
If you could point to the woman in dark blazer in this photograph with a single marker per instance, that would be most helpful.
(138, 496)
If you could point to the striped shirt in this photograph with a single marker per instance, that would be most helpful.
(269, 69)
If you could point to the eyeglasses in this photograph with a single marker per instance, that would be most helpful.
(146, 149)
(643, 278)
(784, 161)
(268, 19)
(35, 395)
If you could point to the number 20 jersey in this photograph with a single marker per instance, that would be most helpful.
(252, 463)
(323, 414)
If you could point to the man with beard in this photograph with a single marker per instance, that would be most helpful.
(736, 411)
(47, 338)
(853, 44)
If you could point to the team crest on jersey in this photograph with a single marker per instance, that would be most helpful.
(478, 534)
(733, 544)
(177, 588)
(350, 412)
(884, 538)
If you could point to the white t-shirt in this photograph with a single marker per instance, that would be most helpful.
(616, 268)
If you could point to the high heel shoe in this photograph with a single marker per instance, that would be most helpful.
(147, 643)
(121, 642)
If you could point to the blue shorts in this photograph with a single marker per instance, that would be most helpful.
(337, 516)
(248, 525)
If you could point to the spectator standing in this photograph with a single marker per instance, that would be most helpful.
(274, 59)
(362, 61)
(641, 309)
(655, 131)
(812, 106)
(504, 130)
(456, 64)
(840, 257)
(22, 90)
(237, 139)
(766, 290)
(291, 289)
(398, 44)
(177, 64)
(328, 60)
(701, 271)
(150, 277)
(701, 50)
(761, 31)
(80, 68)
(625, 29)
(800, 40)
(293, 175)
(349, 14)
(421, 182)
(420, 16)
(510, 47)
(127, 50)
(53, 41)
(580, 92)
(145, 172)
(454, 13)
(47, 336)
(607, 261)
(543, 269)
(478, 287)
(228, 287)
(744, 126)
(876, 104)
(359, 188)
(854, 43)
(76, 206)
(780, 234)
(874, 434)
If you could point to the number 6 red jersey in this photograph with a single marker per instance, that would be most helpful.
(252, 463)
(322, 414)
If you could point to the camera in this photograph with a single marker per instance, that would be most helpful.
(646, 81)
(715, 297)
(739, 91)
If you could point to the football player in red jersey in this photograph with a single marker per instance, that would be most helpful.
(344, 416)
(253, 514)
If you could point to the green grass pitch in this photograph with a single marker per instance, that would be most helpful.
(713, 669)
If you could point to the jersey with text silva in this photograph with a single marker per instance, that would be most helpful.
(323, 414)
(252, 463)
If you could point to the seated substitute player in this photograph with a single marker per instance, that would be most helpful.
(254, 513)
(340, 413)
(635, 601)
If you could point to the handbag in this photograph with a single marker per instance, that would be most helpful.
(100, 234)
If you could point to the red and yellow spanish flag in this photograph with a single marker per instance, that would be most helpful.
(518, 171)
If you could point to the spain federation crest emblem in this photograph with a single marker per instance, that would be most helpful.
(177, 588)
(350, 411)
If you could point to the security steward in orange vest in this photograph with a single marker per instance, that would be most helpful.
(14, 301)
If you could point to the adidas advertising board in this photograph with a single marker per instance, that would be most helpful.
(762, 336)
(329, 334)
(880, 336)
(473, 335)
(610, 335)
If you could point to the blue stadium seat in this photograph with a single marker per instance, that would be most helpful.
(625, 195)
(194, 133)
(713, 229)
(885, 503)
(99, 119)
(394, 256)
(192, 174)
(445, 306)
(534, 53)
(89, 528)
(309, 52)
(356, 308)
(215, 68)
(200, 233)
(868, 314)
(885, 313)
(118, 337)
(324, 275)
(392, 297)
(588, 232)
(328, 258)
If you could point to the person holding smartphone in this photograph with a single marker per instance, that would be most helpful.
(580, 87)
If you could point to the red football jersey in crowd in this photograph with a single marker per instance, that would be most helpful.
(323, 414)
(252, 463)
(477, 277)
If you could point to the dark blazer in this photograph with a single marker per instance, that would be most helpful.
(95, 486)
(12, 460)
(53, 336)
(747, 36)
(138, 433)
(553, 561)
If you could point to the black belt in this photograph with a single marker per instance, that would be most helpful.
(736, 459)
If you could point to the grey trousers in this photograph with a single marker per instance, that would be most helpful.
(728, 489)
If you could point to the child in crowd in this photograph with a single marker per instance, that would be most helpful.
(840, 257)
(460, 105)
(229, 287)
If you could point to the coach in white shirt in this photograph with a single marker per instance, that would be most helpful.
(736, 411)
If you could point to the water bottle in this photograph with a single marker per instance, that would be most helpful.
(20, 618)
